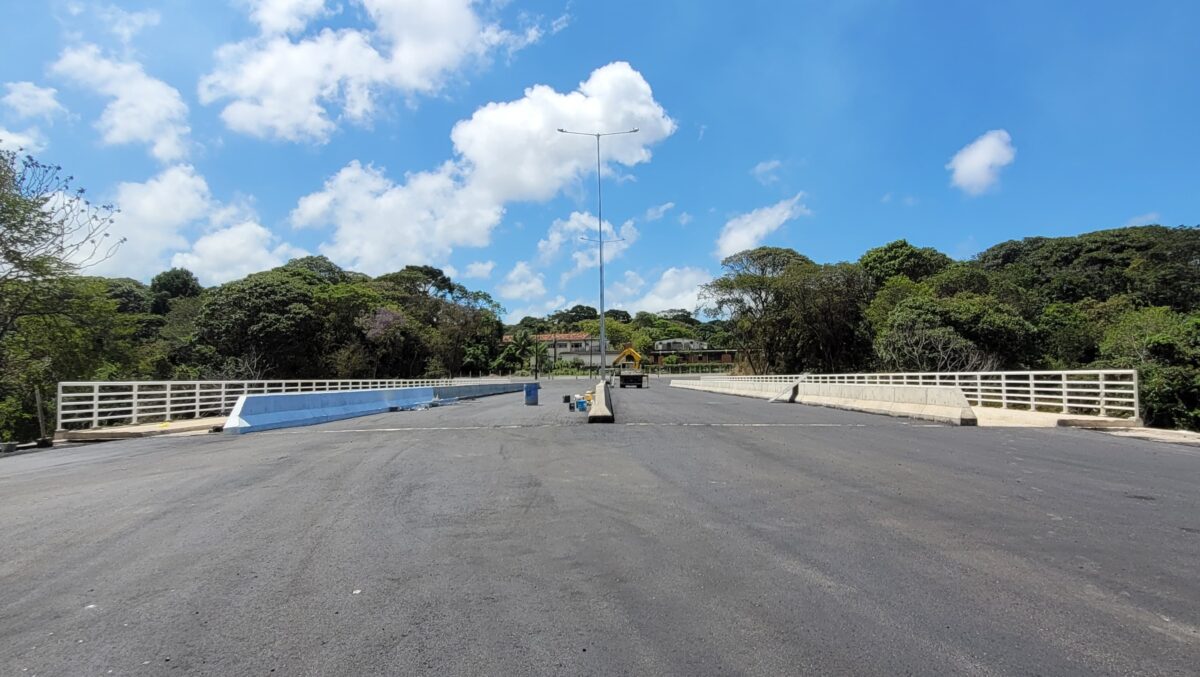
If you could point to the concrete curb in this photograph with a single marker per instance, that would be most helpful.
(602, 405)
(108, 435)
(941, 404)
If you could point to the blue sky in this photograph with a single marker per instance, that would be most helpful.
(236, 134)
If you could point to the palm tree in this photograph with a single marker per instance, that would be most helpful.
(539, 354)
(520, 345)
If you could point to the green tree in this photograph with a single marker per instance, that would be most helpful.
(618, 333)
(901, 258)
(618, 315)
(573, 315)
(53, 324)
(1164, 346)
(894, 290)
(48, 232)
(919, 337)
(131, 296)
(326, 271)
(1067, 336)
(680, 315)
(959, 278)
(173, 284)
(267, 316)
(751, 296)
(828, 305)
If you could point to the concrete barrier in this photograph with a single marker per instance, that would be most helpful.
(468, 392)
(602, 410)
(253, 413)
(945, 404)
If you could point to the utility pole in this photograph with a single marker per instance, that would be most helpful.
(600, 236)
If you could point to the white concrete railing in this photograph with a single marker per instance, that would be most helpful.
(94, 403)
(1103, 392)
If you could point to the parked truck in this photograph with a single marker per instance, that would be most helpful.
(633, 377)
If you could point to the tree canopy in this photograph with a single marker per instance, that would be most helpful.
(1120, 298)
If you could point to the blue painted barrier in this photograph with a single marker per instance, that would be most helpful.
(253, 413)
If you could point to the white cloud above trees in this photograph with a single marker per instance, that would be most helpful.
(747, 231)
(522, 283)
(675, 288)
(153, 218)
(585, 253)
(505, 152)
(479, 270)
(142, 109)
(976, 167)
(28, 100)
(295, 81)
(235, 251)
(28, 141)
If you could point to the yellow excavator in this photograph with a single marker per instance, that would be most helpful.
(631, 376)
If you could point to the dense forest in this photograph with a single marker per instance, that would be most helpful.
(1124, 298)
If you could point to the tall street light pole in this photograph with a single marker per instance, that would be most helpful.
(600, 236)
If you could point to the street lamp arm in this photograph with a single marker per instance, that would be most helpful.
(628, 131)
(600, 235)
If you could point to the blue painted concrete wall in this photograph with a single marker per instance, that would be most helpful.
(285, 410)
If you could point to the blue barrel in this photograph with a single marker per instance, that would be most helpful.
(531, 394)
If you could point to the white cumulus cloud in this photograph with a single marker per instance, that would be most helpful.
(505, 152)
(976, 167)
(291, 84)
(143, 109)
(514, 150)
(747, 231)
(28, 141)
(234, 252)
(153, 217)
(629, 285)
(28, 100)
(126, 25)
(480, 270)
(540, 309)
(522, 283)
(676, 288)
(657, 212)
(284, 16)
(1148, 218)
(381, 226)
(585, 253)
(765, 171)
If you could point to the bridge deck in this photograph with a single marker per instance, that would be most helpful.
(700, 534)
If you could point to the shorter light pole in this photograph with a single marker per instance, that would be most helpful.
(600, 236)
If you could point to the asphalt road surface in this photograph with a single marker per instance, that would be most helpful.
(701, 534)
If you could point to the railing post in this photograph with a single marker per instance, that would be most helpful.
(95, 405)
(1004, 391)
(168, 409)
(1104, 393)
(1062, 379)
(1137, 395)
(196, 391)
(58, 405)
(133, 405)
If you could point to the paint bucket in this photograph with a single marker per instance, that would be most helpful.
(531, 394)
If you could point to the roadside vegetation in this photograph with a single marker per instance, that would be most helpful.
(1124, 298)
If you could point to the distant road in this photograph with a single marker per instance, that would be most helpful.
(701, 534)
